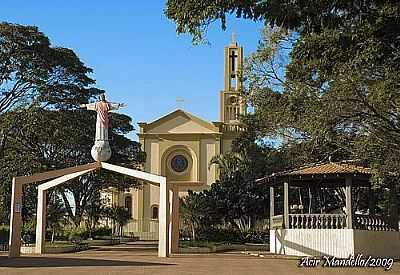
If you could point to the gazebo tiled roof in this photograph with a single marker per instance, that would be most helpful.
(327, 172)
(328, 168)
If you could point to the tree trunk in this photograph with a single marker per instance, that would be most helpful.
(2, 142)
(193, 231)
(52, 235)
(234, 224)
(68, 207)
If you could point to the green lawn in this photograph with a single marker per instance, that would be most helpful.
(59, 244)
(69, 244)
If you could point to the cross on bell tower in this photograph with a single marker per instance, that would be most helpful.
(233, 38)
(233, 56)
(231, 98)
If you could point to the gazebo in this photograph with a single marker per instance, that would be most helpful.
(339, 229)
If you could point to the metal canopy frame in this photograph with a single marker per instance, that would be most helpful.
(61, 176)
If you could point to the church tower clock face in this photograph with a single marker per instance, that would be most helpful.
(179, 163)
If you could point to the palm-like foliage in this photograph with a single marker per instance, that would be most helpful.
(228, 163)
(191, 212)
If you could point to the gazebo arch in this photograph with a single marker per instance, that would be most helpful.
(61, 176)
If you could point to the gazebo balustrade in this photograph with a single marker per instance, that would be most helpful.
(372, 222)
(317, 221)
(332, 221)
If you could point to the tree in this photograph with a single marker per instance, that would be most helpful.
(335, 93)
(95, 210)
(237, 198)
(338, 77)
(34, 72)
(56, 214)
(228, 164)
(40, 86)
(120, 217)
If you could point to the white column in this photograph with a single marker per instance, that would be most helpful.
(163, 219)
(286, 204)
(271, 206)
(15, 220)
(349, 211)
(41, 221)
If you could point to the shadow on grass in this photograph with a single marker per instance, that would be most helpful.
(24, 262)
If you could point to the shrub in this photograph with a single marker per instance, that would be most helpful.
(28, 232)
(230, 235)
(4, 234)
(76, 235)
(261, 237)
(102, 231)
(220, 235)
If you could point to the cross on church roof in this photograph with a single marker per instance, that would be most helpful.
(179, 102)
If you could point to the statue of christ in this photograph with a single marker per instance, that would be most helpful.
(101, 150)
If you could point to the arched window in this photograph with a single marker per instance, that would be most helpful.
(128, 205)
(154, 212)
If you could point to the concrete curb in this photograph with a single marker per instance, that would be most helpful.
(270, 255)
(225, 247)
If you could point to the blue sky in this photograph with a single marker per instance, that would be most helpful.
(135, 52)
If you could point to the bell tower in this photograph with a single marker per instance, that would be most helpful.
(232, 103)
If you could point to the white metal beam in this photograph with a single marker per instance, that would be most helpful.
(60, 180)
(56, 173)
(133, 173)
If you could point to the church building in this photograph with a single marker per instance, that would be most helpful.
(180, 146)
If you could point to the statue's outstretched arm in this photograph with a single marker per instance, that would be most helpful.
(116, 106)
(90, 106)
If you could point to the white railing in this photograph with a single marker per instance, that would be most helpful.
(232, 128)
(371, 222)
(143, 229)
(317, 221)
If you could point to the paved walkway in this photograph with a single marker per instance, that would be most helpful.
(132, 260)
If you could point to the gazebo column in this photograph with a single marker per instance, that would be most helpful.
(271, 206)
(349, 210)
(286, 205)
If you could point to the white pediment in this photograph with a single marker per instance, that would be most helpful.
(180, 122)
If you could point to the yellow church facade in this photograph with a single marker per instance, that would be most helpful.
(180, 146)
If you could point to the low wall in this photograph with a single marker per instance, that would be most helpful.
(225, 247)
(144, 236)
(48, 250)
(312, 242)
(335, 242)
